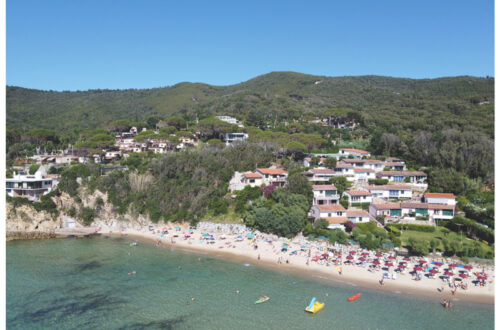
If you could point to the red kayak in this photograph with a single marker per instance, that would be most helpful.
(356, 296)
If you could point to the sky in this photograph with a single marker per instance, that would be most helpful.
(80, 45)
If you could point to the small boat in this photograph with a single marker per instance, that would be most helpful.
(356, 296)
(314, 306)
(261, 300)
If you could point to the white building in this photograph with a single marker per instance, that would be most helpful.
(374, 164)
(232, 137)
(320, 174)
(346, 152)
(358, 216)
(358, 196)
(325, 194)
(396, 211)
(439, 198)
(228, 119)
(274, 176)
(31, 187)
(363, 174)
(390, 191)
(328, 211)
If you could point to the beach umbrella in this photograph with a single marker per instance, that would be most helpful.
(250, 235)
(392, 258)
(378, 255)
(361, 259)
(324, 255)
(422, 262)
(452, 265)
(352, 252)
(349, 258)
(402, 266)
(365, 253)
(469, 267)
(376, 262)
(187, 233)
(463, 275)
(433, 271)
(206, 235)
(406, 259)
(389, 264)
(447, 273)
(417, 268)
(164, 228)
(437, 263)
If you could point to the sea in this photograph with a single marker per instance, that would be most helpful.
(84, 283)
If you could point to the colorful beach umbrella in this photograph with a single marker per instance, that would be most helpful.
(417, 268)
(433, 271)
(447, 273)
(392, 258)
(406, 259)
(469, 267)
(389, 264)
(378, 255)
(402, 266)
(437, 263)
(349, 258)
(463, 275)
(365, 253)
(361, 259)
(422, 262)
(352, 252)
(376, 262)
(452, 265)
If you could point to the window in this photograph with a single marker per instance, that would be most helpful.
(360, 219)
(329, 214)
(448, 212)
(252, 180)
(339, 213)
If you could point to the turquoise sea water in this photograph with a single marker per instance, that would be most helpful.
(84, 283)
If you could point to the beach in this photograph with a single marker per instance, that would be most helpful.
(325, 262)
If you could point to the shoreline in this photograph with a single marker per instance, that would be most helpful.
(352, 275)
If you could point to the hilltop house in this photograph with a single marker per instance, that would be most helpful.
(228, 119)
(374, 164)
(274, 176)
(325, 194)
(229, 138)
(335, 214)
(397, 211)
(319, 174)
(414, 177)
(346, 152)
(363, 174)
(347, 170)
(358, 216)
(358, 196)
(389, 191)
(439, 198)
(31, 187)
(395, 166)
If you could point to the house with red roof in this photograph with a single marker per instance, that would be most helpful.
(324, 194)
(389, 191)
(346, 152)
(274, 176)
(327, 211)
(358, 196)
(439, 198)
(319, 174)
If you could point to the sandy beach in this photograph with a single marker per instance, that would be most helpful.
(325, 262)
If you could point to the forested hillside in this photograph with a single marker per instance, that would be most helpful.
(446, 123)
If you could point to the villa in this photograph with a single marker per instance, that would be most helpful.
(358, 196)
(346, 152)
(439, 198)
(389, 191)
(325, 194)
(320, 174)
(29, 186)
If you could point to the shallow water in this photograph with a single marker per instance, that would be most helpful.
(84, 283)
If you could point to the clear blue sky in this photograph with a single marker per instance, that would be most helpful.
(79, 45)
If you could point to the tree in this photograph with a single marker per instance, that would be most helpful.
(153, 120)
(298, 184)
(434, 244)
(330, 162)
(344, 201)
(33, 168)
(321, 224)
(176, 121)
(341, 183)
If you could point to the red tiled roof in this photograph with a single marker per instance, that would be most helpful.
(357, 213)
(440, 207)
(343, 165)
(389, 187)
(272, 171)
(355, 150)
(404, 173)
(387, 206)
(365, 161)
(252, 175)
(358, 192)
(331, 208)
(324, 187)
(337, 220)
(439, 195)
(394, 164)
(414, 205)
(322, 170)
(308, 159)
(363, 170)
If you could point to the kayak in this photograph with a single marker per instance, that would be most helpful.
(314, 306)
(261, 300)
(356, 296)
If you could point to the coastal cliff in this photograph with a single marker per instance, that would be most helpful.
(25, 222)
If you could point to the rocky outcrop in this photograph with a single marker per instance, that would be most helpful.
(25, 219)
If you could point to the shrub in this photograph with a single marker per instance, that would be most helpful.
(393, 230)
(87, 215)
(363, 206)
(422, 228)
(378, 182)
(349, 226)
(33, 168)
